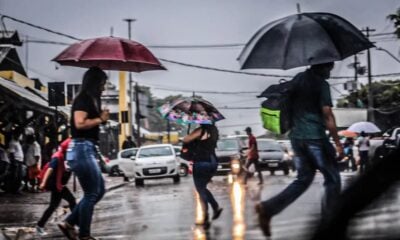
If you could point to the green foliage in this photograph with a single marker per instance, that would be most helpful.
(386, 95)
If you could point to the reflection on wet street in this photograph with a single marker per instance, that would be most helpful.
(163, 210)
(238, 207)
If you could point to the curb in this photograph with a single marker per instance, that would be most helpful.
(111, 188)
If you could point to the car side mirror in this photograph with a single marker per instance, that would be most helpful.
(133, 158)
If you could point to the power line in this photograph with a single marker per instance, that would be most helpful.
(192, 65)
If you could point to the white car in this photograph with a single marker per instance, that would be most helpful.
(152, 162)
(186, 166)
(112, 166)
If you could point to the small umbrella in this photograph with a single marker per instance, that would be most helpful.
(301, 40)
(366, 127)
(109, 53)
(347, 133)
(183, 111)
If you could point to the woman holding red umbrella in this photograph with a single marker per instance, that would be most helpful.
(86, 117)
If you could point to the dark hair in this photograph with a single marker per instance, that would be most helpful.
(92, 82)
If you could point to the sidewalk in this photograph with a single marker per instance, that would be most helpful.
(20, 212)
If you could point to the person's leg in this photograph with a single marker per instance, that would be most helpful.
(323, 155)
(90, 179)
(246, 173)
(55, 199)
(258, 170)
(305, 176)
(69, 197)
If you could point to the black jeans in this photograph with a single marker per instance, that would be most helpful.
(55, 200)
(256, 163)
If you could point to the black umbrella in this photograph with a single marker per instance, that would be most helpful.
(301, 40)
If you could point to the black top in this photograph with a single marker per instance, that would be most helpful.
(206, 148)
(84, 102)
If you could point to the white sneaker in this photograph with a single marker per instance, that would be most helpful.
(40, 231)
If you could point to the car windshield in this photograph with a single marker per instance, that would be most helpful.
(155, 152)
(269, 146)
(128, 153)
(227, 144)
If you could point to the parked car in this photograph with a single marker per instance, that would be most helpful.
(272, 156)
(287, 148)
(230, 154)
(112, 167)
(152, 162)
(185, 166)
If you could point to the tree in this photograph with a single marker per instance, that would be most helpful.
(395, 18)
(386, 96)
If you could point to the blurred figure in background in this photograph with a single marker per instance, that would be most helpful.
(54, 177)
(363, 149)
(252, 157)
(128, 143)
(33, 162)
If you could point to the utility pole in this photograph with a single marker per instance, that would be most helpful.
(137, 114)
(131, 129)
(370, 97)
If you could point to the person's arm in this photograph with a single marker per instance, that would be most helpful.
(192, 136)
(330, 124)
(83, 122)
(45, 178)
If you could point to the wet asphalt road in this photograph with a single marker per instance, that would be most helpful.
(163, 210)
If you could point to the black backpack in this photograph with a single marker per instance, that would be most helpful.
(276, 110)
(188, 151)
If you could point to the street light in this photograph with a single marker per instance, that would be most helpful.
(390, 54)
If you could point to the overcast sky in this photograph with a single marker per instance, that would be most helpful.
(190, 22)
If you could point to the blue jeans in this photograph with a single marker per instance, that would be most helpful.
(310, 156)
(202, 174)
(81, 158)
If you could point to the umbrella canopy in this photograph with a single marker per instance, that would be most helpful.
(347, 133)
(301, 40)
(190, 110)
(109, 53)
(366, 127)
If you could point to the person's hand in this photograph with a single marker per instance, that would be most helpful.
(42, 186)
(105, 115)
(340, 151)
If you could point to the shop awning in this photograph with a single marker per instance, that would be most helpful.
(17, 95)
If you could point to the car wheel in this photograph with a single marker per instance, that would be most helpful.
(183, 171)
(177, 179)
(114, 171)
(139, 182)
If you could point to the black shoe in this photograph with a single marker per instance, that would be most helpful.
(263, 220)
(217, 213)
(68, 230)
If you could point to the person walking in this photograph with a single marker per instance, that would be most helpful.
(33, 162)
(86, 117)
(128, 143)
(348, 152)
(204, 141)
(54, 178)
(252, 157)
(311, 115)
(363, 150)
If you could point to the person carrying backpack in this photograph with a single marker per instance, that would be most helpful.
(311, 115)
(204, 141)
(54, 178)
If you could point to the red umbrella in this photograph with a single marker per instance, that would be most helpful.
(109, 53)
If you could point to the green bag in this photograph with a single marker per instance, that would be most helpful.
(276, 110)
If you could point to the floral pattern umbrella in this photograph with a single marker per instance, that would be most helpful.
(191, 110)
